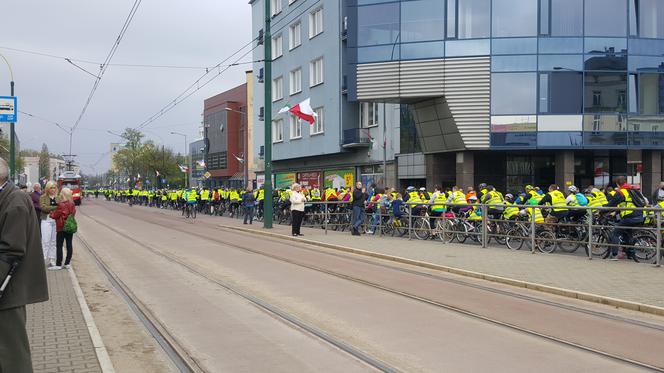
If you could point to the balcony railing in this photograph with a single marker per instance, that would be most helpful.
(356, 138)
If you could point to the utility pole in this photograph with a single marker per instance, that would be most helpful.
(12, 129)
(267, 119)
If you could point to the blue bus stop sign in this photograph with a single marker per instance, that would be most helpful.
(8, 109)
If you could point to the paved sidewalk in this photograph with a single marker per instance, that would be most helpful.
(59, 336)
(623, 280)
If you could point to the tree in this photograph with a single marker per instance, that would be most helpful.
(145, 159)
(44, 161)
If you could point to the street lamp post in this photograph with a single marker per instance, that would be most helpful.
(12, 133)
(245, 163)
(186, 156)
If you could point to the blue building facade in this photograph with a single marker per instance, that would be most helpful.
(566, 91)
(309, 57)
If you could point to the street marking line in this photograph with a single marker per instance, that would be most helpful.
(589, 297)
(100, 349)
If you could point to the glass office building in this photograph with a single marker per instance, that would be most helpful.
(569, 91)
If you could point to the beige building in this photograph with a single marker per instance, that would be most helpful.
(55, 167)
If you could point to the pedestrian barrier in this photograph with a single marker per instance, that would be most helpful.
(533, 228)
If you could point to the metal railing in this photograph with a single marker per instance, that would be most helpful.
(591, 228)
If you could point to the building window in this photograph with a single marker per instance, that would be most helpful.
(316, 72)
(606, 18)
(315, 22)
(514, 18)
(277, 130)
(319, 124)
(473, 19)
(450, 32)
(561, 92)
(421, 20)
(649, 22)
(561, 17)
(277, 47)
(597, 98)
(513, 93)
(378, 24)
(369, 114)
(294, 35)
(295, 127)
(275, 7)
(606, 92)
(295, 85)
(650, 87)
(278, 89)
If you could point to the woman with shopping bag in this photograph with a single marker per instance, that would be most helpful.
(66, 226)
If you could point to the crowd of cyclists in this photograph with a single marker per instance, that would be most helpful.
(560, 217)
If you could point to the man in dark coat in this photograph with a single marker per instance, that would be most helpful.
(20, 243)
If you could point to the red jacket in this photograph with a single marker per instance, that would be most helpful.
(64, 209)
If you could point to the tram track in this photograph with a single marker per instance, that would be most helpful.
(415, 297)
(182, 361)
(261, 304)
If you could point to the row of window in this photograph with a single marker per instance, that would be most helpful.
(564, 92)
(428, 20)
(295, 125)
(316, 77)
(588, 140)
(295, 33)
(275, 6)
(576, 123)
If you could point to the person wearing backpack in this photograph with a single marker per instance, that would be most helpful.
(65, 226)
(626, 197)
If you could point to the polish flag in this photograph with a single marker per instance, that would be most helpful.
(183, 168)
(302, 110)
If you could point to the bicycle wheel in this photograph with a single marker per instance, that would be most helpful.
(646, 247)
(187, 212)
(599, 248)
(421, 229)
(571, 239)
(460, 231)
(400, 227)
(545, 241)
(445, 229)
(515, 238)
(500, 230)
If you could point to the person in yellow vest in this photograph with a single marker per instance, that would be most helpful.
(494, 199)
(234, 198)
(473, 210)
(556, 199)
(533, 193)
(457, 199)
(511, 211)
(414, 201)
(438, 201)
(624, 198)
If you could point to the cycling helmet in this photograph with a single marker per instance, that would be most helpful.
(529, 188)
(509, 197)
(482, 186)
(410, 189)
(573, 189)
(423, 189)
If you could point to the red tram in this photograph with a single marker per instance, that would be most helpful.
(71, 180)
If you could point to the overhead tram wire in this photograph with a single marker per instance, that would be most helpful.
(61, 126)
(186, 93)
(175, 102)
(98, 63)
(104, 65)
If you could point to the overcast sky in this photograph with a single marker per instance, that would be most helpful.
(163, 32)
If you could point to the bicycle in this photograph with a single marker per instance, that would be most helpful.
(190, 211)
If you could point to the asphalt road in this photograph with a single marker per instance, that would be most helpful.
(240, 302)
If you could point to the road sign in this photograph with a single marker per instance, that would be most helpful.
(207, 175)
(8, 109)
